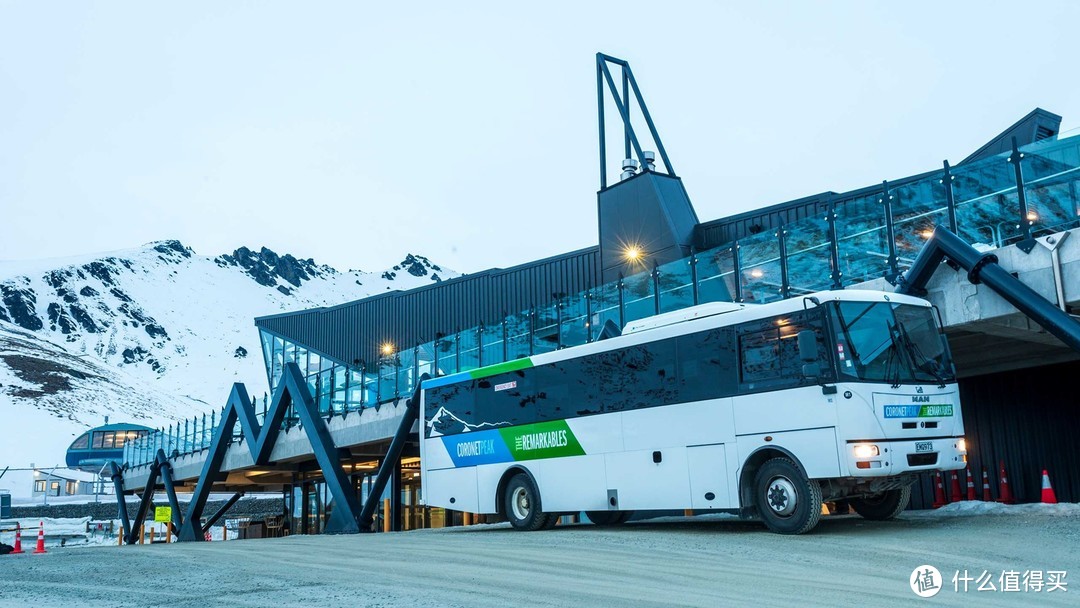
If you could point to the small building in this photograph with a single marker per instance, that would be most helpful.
(70, 483)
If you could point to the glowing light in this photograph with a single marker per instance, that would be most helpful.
(926, 234)
(632, 253)
(387, 349)
(757, 273)
(1032, 216)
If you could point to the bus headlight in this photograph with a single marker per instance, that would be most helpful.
(863, 450)
(961, 444)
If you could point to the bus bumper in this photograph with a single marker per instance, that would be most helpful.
(882, 458)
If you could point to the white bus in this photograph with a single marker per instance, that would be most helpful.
(768, 410)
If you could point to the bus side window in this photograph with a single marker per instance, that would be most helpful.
(450, 409)
(558, 388)
(704, 370)
(759, 356)
(98, 436)
(506, 399)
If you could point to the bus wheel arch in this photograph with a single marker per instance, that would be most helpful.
(747, 504)
(500, 489)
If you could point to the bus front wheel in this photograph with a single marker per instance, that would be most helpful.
(521, 502)
(608, 518)
(788, 502)
(886, 505)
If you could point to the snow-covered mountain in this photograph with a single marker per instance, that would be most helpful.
(150, 334)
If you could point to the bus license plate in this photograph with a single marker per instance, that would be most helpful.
(924, 446)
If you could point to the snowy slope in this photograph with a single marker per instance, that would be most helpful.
(150, 334)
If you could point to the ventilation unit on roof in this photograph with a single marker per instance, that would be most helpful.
(1042, 133)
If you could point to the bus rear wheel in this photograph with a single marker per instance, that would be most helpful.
(608, 518)
(886, 505)
(521, 502)
(788, 501)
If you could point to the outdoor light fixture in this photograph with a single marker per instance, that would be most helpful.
(757, 273)
(387, 349)
(1032, 216)
(632, 253)
(926, 233)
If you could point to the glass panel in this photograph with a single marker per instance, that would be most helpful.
(387, 377)
(406, 359)
(326, 388)
(371, 389)
(426, 359)
(545, 330)
(517, 329)
(862, 240)
(268, 349)
(575, 320)
(759, 261)
(301, 359)
(492, 340)
(341, 375)
(313, 363)
(638, 300)
(355, 397)
(445, 356)
(469, 343)
(676, 285)
(716, 275)
(276, 371)
(605, 307)
(290, 353)
(917, 209)
(1050, 183)
(987, 209)
(809, 259)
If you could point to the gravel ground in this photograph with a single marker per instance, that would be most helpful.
(704, 561)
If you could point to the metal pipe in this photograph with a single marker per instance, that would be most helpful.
(210, 521)
(983, 268)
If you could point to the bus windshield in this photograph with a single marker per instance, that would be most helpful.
(894, 343)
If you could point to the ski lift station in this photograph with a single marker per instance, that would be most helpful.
(986, 240)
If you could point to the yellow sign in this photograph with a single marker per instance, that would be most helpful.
(163, 514)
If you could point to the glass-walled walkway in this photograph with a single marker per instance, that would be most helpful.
(990, 203)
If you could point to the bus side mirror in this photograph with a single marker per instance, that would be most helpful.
(808, 346)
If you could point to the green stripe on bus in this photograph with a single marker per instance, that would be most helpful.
(501, 368)
(552, 439)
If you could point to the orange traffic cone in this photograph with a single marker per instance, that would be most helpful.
(40, 539)
(986, 486)
(1004, 493)
(954, 489)
(1048, 490)
(18, 540)
(970, 484)
(939, 492)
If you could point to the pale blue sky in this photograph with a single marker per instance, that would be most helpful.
(353, 132)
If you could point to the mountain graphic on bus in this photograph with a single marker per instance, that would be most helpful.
(443, 422)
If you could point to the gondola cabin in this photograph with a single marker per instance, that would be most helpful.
(91, 450)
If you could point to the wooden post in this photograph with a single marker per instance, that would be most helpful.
(466, 519)
(142, 533)
(688, 512)
(168, 533)
(120, 537)
(386, 515)
(224, 532)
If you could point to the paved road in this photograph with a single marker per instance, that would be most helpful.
(686, 562)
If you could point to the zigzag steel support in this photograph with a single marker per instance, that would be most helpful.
(292, 390)
(165, 468)
(117, 477)
(144, 503)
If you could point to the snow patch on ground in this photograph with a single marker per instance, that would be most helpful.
(977, 507)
